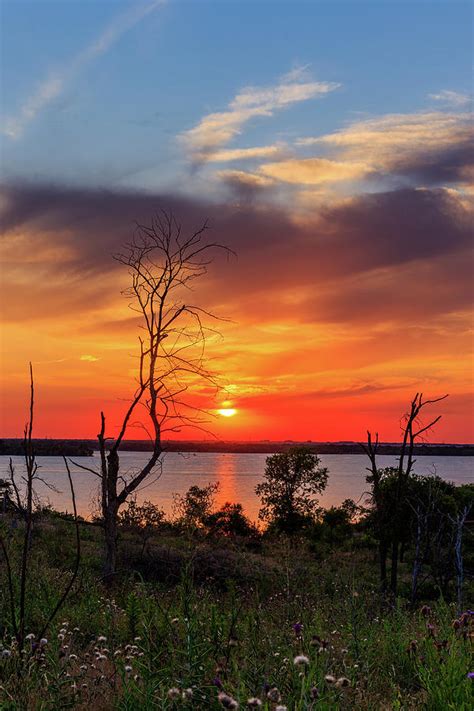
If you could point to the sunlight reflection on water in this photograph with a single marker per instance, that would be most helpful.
(238, 475)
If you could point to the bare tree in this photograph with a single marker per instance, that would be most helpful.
(163, 265)
(413, 430)
(23, 505)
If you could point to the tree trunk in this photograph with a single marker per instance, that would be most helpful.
(394, 568)
(383, 565)
(110, 532)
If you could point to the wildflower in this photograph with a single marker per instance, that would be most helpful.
(30, 637)
(73, 656)
(102, 639)
(6, 653)
(314, 693)
(137, 639)
(298, 628)
(342, 682)
(330, 679)
(187, 694)
(217, 682)
(254, 703)
(60, 636)
(426, 610)
(128, 668)
(274, 695)
(300, 661)
(43, 642)
(175, 620)
(174, 694)
(470, 675)
(227, 701)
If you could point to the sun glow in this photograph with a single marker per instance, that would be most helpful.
(227, 411)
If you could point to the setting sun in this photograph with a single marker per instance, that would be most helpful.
(227, 411)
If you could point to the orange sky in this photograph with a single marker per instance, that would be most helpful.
(337, 318)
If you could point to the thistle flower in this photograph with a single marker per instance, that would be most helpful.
(174, 694)
(227, 701)
(274, 695)
(301, 660)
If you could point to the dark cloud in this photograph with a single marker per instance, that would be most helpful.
(453, 164)
(355, 255)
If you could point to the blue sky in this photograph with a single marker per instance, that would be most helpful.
(330, 145)
(118, 115)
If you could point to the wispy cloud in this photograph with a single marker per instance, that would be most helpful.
(433, 145)
(228, 155)
(314, 171)
(217, 129)
(451, 98)
(51, 87)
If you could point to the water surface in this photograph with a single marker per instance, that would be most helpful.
(238, 475)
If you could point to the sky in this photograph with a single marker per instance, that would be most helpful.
(329, 144)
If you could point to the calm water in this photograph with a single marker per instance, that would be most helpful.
(238, 474)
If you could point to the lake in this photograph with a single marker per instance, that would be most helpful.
(238, 474)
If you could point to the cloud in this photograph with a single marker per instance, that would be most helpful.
(51, 87)
(451, 98)
(314, 171)
(217, 129)
(434, 147)
(231, 154)
(300, 269)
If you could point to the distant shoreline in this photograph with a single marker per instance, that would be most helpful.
(86, 447)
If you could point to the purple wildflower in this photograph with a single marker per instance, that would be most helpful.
(470, 675)
(298, 627)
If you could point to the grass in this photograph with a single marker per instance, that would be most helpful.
(190, 619)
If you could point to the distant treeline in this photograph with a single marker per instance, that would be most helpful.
(49, 447)
(86, 447)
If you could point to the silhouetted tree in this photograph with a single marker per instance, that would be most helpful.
(390, 503)
(192, 508)
(292, 480)
(163, 265)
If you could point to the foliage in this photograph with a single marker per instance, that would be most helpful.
(230, 521)
(292, 479)
(143, 519)
(192, 508)
(131, 648)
